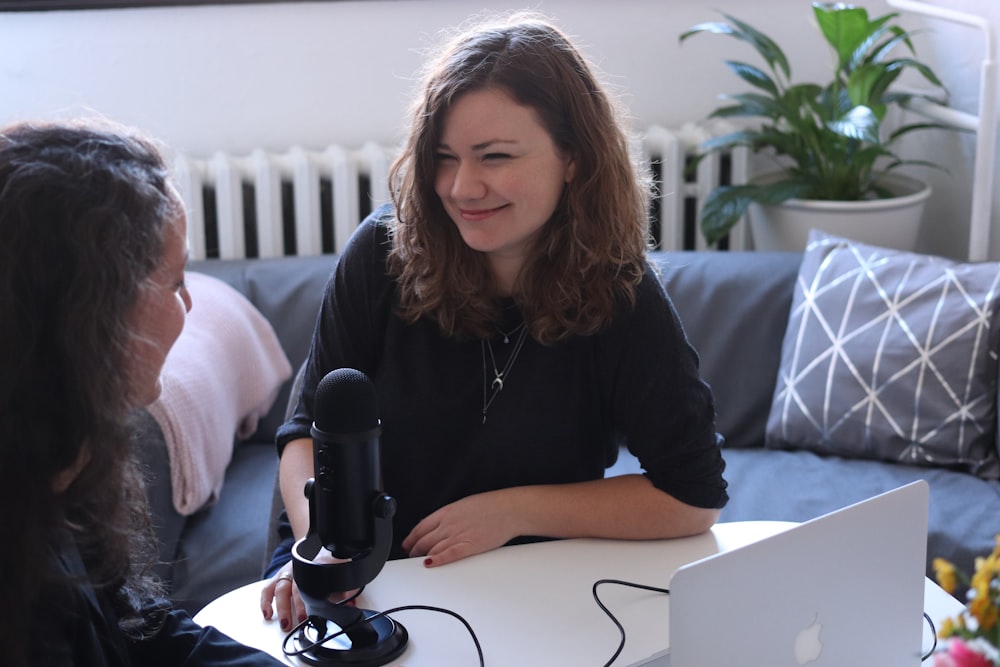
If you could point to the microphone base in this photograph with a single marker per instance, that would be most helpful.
(372, 643)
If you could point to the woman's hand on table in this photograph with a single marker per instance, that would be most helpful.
(466, 527)
(281, 594)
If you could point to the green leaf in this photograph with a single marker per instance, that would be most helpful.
(844, 27)
(726, 204)
(867, 83)
(859, 123)
(911, 127)
(749, 104)
(714, 27)
(782, 190)
(879, 77)
(924, 70)
(796, 97)
(881, 52)
(869, 50)
(729, 140)
(764, 45)
(754, 76)
(723, 208)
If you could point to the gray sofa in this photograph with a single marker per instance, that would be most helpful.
(734, 306)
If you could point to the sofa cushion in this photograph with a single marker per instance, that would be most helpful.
(223, 544)
(776, 485)
(734, 309)
(890, 355)
(222, 375)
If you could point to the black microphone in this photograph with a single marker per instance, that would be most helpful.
(346, 459)
(351, 517)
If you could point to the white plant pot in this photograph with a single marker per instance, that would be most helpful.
(889, 223)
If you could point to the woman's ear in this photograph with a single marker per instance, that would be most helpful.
(570, 169)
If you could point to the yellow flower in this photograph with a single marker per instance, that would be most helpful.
(947, 628)
(980, 581)
(945, 574)
(980, 620)
(992, 563)
(984, 611)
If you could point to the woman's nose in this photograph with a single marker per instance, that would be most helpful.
(468, 182)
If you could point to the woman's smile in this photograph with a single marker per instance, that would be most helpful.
(480, 214)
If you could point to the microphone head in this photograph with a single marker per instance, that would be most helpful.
(345, 402)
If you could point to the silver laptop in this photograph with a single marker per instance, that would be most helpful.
(846, 588)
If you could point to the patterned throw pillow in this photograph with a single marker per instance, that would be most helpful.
(890, 355)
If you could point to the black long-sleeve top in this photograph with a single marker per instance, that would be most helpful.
(563, 411)
(74, 625)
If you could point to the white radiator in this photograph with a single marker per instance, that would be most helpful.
(307, 202)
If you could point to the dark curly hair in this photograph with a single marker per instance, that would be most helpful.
(83, 212)
(590, 255)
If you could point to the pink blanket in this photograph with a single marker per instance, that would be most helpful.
(220, 378)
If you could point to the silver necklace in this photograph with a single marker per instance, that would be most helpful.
(496, 386)
(507, 334)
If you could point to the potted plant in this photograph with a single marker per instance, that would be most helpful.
(827, 139)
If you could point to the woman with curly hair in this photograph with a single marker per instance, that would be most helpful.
(93, 249)
(505, 311)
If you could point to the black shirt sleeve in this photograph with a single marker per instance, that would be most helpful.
(181, 641)
(662, 409)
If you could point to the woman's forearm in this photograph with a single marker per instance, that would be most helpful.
(625, 507)
(294, 469)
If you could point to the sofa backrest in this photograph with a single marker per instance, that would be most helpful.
(734, 307)
(287, 291)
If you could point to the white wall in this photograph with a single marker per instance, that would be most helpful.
(236, 77)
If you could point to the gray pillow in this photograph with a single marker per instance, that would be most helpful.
(890, 355)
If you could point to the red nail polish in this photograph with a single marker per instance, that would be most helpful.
(428, 562)
(284, 624)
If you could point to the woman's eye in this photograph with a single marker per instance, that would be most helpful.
(442, 157)
(496, 156)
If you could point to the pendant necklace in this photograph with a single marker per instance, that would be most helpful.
(496, 386)
(506, 335)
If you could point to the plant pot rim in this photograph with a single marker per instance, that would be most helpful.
(911, 190)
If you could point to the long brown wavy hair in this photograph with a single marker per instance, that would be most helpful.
(589, 256)
(83, 211)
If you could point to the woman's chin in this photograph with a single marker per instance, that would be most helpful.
(148, 395)
(478, 241)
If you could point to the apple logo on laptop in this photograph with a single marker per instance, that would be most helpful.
(807, 644)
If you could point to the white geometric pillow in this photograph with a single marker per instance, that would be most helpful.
(890, 355)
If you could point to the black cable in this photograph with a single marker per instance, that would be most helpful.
(374, 617)
(475, 639)
(621, 629)
(933, 648)
(302, 624)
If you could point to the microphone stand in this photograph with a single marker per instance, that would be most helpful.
(368, 640)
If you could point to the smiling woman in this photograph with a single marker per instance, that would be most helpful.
(504, 307)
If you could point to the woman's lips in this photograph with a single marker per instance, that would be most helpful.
(479, 214)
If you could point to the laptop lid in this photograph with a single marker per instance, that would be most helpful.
(846, 588)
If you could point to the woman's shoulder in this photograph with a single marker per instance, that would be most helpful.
(375, 230)
(364, 261)
(367, 249)
(649, 313)
(649, 292)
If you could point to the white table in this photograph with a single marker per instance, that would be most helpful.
(530, 604)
